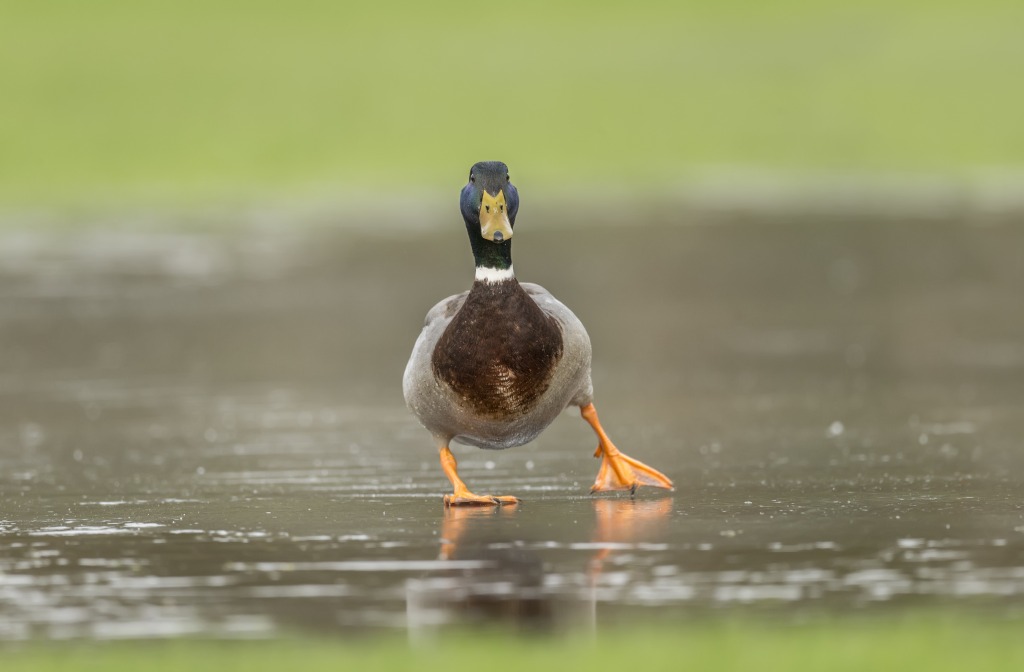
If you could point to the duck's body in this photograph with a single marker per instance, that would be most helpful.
(494, 366)
(487, 383)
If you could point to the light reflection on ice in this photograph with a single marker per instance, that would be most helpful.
(358, 566)
(44, 592)
(87, 530)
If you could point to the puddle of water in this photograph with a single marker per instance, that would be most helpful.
(200, 446)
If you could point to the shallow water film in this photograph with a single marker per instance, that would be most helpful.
(204, 433)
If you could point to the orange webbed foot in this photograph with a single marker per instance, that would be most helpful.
(467, 498)
(619, 471)
(461, 495)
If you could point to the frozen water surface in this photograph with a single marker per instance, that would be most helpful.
(204, 434)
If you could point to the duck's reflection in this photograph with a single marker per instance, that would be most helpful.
(510, 587)
(625, 521)
(459, 520)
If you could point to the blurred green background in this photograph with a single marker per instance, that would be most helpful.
(114, 101)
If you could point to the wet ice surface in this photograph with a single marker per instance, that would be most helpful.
(205, 435)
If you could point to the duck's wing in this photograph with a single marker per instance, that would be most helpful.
(418, 379)
(552, 306)
(436, 322)
(443, 312)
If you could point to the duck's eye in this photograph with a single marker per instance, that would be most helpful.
(507, 178)
(472, 177)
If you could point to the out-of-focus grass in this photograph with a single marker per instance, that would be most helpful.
(116, 99)
(929, 644)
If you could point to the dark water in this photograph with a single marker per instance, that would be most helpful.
(205, 433)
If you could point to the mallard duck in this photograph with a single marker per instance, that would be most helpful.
(494, 366)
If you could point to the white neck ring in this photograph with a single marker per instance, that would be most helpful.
(484, 274)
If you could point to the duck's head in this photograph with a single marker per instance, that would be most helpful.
(489, 201)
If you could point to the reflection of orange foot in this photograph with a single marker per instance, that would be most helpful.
(619, 471)
(621, 521)
(462, 496)
(458, 519)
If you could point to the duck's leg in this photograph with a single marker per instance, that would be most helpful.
(619, 471)
(462, 496)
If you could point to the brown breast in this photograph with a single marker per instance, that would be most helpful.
(499, 352)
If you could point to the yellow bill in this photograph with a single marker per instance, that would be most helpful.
(494, 224)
